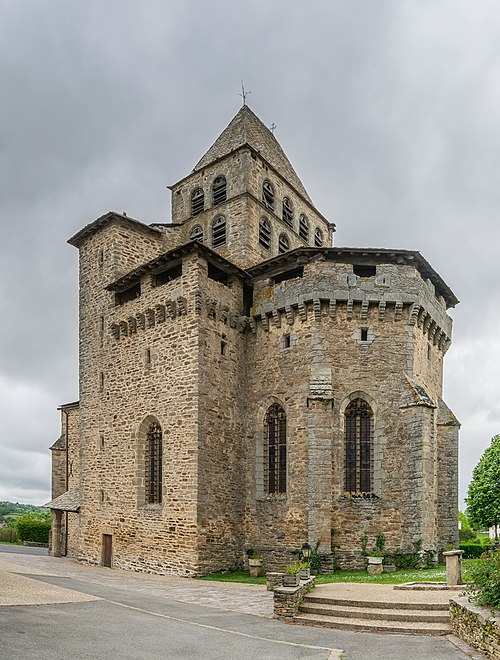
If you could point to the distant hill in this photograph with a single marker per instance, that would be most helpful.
(14, 509)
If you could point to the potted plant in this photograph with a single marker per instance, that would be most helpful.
(305, 570)
(254, 562)
(291, 576)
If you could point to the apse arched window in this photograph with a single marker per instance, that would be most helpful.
(196, 233)
(275, 450)
(358, 447)
(268, 194)
(287, 212)
(219, 190)
(219, 231)
(197, 201)
(265, 233)
(303, 227)
(153, 464)
(318, 237)
(283, 243)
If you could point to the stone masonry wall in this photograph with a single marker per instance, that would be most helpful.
(478, 626)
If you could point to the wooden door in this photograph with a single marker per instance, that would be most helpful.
(107, 545)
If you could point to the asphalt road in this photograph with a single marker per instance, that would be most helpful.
(130, 622)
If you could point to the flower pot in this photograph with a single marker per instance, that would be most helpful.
(291, 580)
(305, 573)
(254, 566)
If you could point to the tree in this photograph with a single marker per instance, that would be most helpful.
(483, 494)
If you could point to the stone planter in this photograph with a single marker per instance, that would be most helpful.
(291, 580)
(255, 566)
(305, 573)
(375, 565)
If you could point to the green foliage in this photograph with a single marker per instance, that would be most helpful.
(380, 543)
(483, 577)
(472, 550)
(483, 494)
(34, 527)
(293, 569)
(8, 535)
(364, 545)
(412, 558)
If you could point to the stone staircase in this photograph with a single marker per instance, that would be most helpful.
(408, 617)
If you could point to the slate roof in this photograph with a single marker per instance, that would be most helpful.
(247, 129)
(415, 395)
(68, 501)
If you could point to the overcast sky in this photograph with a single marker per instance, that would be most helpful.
(388, 110)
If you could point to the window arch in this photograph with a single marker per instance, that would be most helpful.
(287, 212)
(358, 447)
(303, 227)
(197, 201)
(265, 233)
(275, 450)
(153, 464)
(196, 233)
(283, 243)
(268, 194)
(219, 190)
(318, 237)
(219, 231)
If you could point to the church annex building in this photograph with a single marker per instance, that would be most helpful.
(244, 384)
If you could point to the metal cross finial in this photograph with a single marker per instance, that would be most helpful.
(244, 93)
(273, 127)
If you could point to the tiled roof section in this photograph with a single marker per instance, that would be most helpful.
(59, 444)
(247, 128)
(415, 395)
(445, 417)
(68, 501)
(111, 216)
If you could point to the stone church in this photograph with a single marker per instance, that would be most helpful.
(246, 385)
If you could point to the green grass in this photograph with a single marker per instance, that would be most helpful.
(397, 577)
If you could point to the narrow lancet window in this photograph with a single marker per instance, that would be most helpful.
(197, 201)
(153, 464)
(287, 214)
(318, 238)
(303, 227)
(265, 233)
(358, 447)
(219, 190)
(275, 449)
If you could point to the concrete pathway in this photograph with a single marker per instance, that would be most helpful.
(94, 612)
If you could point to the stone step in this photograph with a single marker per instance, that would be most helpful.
(393, 614)
(373, 604)
(374, 625)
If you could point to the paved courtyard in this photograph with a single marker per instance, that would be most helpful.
(53, 609)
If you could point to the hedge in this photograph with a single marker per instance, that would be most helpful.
(31, 528)
(472, 550)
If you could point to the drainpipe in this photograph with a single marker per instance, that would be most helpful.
(66, 427)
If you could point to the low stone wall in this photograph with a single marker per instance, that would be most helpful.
(287, 600)
(478, 626)
(274, 580)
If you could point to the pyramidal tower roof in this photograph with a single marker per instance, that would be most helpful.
(247, 128)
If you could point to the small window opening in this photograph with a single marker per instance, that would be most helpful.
(101, 440)
(102, 496)
(197, 201)
(287, 214)
(147, 356)
(303, 227)
(364, 334)
(219, 190)
(131, 293)
(283, 243)
(247, 299)
(101, 381)
(287, 341)
(268, 194)
(101, 258)
(168, 274)
(289, 275)
(318, 237)
(362, 270)
(223, 347)
(265, 233)
(219, 231)
(196, 233)
(429, 352)
(217, 274)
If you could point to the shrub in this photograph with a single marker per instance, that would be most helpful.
(472, 550)
(33, 527)
(483, 576)
(293, 569)
(466, 534)
(8, 535)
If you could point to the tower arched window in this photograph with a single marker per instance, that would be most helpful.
(219, 190)
(303, 227)
(287, 212)
(268, 194)
(283, 243)
(265, 233)
(197, 201)
(219, 231)
(318, 237)
(196, 233)
(275, 450)
(153, 464)
(358, 447)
